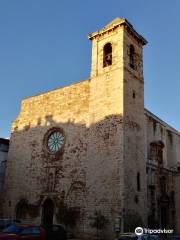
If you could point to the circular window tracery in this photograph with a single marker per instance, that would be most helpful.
(55, 141)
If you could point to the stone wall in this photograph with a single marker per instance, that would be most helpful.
(86, 174)
(104, 141)
(134, 133)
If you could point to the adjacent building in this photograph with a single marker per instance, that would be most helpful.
(4, 146)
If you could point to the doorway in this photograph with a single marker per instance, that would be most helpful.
(22, 210)
(163, 217)
(47, 212)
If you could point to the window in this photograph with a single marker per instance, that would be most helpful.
(138, 182)
(156, 151)
(107, 55)
(172, 197)
(54, 140)
(134, 94)
(162, 185)
(131, 56)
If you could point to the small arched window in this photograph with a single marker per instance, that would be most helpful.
(138, 182)
(107, 55)
(131, 56)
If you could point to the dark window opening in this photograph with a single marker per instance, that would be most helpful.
(152, 191)
(136, 200)
(131, 56)
(138, 182)
(134, 94)
(172, 197)
(107, 55)
(163, 185)
(156, 151)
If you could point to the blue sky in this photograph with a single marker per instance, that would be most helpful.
(44, 45)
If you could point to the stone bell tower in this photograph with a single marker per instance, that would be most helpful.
(117, 92)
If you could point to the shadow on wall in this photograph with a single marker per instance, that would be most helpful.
(64, 172)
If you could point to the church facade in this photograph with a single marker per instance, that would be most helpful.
(91, 152)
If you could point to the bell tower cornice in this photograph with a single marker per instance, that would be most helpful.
(117, 23)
